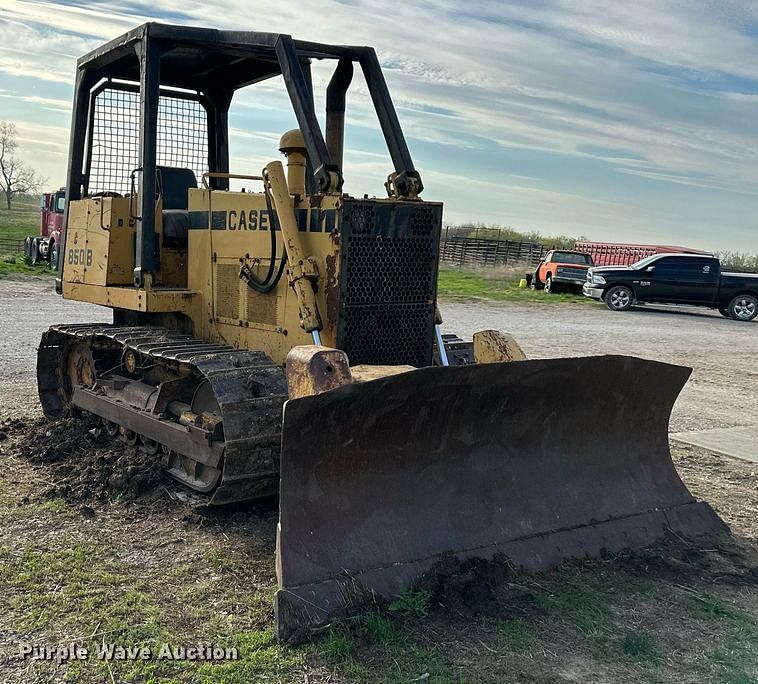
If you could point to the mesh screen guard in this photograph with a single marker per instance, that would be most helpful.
(388, 281)
(182, 138)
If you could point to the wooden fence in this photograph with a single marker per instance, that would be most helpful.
(11, 246)
(463, 250)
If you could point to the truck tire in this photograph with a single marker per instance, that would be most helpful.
(536, 284)
(34, 251)
(54, 256)
(744, 307)
(619, 298)
(28, 247)
(550, 287)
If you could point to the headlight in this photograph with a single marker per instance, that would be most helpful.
(598, 280)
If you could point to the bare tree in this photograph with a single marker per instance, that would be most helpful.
(15, 176)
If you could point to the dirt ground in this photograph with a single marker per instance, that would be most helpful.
(96, 546)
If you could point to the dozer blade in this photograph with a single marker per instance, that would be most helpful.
(536, 460)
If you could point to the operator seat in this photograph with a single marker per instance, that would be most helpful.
(172, 185)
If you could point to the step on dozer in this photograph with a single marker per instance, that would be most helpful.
(398, 445)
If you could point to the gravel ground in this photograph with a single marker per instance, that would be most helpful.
(723, 390)
(28, 307)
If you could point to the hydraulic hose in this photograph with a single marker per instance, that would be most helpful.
(271, 279)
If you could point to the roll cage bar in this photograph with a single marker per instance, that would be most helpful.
(209, 65)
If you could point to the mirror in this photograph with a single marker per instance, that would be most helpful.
(650, 269)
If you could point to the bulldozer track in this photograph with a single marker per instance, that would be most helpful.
(248, 387)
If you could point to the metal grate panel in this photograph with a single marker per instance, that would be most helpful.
(228, 291)
(182, 138)
(262, 308)
(388, 281)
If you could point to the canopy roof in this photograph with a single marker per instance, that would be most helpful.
(202, 58)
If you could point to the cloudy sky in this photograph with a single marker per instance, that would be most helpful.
(633, 121)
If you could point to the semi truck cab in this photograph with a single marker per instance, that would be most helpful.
(45, 246)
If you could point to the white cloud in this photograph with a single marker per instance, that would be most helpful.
(652, 90)
(49, 103)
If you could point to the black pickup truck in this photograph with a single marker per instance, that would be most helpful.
(690, 279)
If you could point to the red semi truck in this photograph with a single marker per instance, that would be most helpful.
(45, 246)
(623, 254)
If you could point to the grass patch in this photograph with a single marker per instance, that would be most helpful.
(13, 511)
(517, 635)
(412, 603)
(641, 647)
(18, 265)
(379, 630)
(337, 645)
(259, 655)
(114, 603)
(22, 220)
(736, 658)
(218, 560)
(709, 607)
(460, 284)
(585, 608)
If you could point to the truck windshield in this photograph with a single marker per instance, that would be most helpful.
(572, 258)
(644, 262)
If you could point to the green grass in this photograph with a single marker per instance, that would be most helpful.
(584, 607)
(260, 657)
(378, 629)
(412, 603)
(641, 647)
(460, 284)
(18, 265)
(219, 560)
(338, 645)
(22, 220)
(738, 652)
(81, 590)
(517, 634)
(77, 588)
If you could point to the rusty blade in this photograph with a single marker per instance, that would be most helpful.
(538, 460)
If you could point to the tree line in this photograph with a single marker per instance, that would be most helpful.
(740, 262)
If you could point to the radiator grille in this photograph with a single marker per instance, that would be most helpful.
(228, 291)
(571, 272)
(388, 281)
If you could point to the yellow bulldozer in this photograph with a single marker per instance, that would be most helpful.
(284, 340)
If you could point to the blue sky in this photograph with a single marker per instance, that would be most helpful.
(616, 120)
